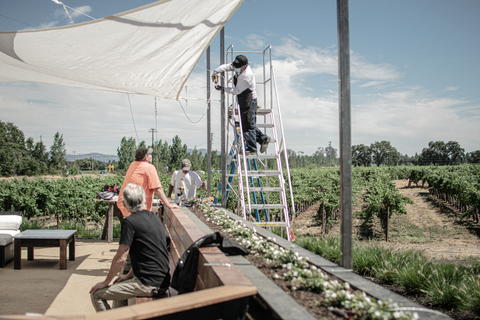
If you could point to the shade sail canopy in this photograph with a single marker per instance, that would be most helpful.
(149, 50)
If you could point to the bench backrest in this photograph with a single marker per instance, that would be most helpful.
(183, 232)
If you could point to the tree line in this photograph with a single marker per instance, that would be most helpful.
(25, 157)
(20, 156)
(382, 153)
(166, 157)
(437, 153)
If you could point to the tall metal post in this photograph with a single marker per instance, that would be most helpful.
(345, 135)
(209, 130)
(223, 123)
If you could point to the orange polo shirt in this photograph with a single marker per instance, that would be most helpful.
(145, 175)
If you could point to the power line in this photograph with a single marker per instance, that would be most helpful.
(133, 120)
(17, 21)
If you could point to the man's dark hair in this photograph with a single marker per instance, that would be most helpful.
(141, 153)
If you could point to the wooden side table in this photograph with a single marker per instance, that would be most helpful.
(45, 238)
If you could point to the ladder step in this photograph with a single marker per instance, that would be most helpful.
(270, 224)
(260, 156)
(264, 125)
(268, 173)
(266, 189)
(263, 111)
(266, 206)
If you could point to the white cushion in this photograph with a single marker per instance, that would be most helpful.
(13, 233)
(5, 239)
(10, 222)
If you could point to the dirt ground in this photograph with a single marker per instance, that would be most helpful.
(430, 226)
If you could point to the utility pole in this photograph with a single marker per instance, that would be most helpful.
(153, 145)
(389, 156)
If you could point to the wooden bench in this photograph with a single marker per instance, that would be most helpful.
(228, 289)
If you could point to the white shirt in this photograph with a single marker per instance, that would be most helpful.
(190, 182)
(245, 80)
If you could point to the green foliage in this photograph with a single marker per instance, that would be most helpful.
(70, 199)
(177, 154)
(126, 153)
(473, 157)
(441, 153)
(12, 149)
(382, 196)
(57, 162)
(384, 153)
(361, 155)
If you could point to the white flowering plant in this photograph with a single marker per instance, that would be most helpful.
(303, 275)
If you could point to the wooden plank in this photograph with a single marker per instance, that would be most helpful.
(63, 254)
(227, 276)
(17, 256)
(71, 248)
(187, 301)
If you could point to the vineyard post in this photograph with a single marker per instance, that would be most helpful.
(345, 134)
(324, 219)
(387, 218)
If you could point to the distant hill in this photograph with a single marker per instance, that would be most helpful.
(95, 155)
(107, 157)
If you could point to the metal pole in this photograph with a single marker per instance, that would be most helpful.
(209, 130)
(345, 135)
(222, 110)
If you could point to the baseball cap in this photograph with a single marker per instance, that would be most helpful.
(186, 165)
(142, 152)
(240, 61)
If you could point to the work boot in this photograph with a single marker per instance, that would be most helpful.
(264, 147)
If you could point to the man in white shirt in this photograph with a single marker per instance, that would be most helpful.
(185, 183)
(244, 89)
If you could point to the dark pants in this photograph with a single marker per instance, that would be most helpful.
(260, 137)
(248, 122)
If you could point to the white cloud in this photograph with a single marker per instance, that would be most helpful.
(254, 41)
(372, 84)
(451, 88)
(325, 61)
(80, 11)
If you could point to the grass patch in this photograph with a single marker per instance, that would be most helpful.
(447, 285)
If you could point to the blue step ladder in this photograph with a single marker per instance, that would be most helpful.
(231, 168)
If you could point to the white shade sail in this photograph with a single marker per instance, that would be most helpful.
(150, 50)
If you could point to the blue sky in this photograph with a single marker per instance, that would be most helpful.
(414, 70)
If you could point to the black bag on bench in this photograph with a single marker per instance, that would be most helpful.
(185, 274)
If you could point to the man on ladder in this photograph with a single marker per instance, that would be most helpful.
(244, 89)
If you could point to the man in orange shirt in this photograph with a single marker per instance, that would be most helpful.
(141, 172)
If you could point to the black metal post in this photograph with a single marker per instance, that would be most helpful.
(223, 122)
(209, 130)
(345, 135)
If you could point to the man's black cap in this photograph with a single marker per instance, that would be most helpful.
(240, 61)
